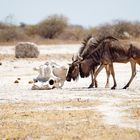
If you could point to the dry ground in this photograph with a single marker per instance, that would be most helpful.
(36, 121)
(71, 113)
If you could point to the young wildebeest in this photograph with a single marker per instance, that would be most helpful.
(108, 52)
(89, 45)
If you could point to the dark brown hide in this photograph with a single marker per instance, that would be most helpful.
(109, 51)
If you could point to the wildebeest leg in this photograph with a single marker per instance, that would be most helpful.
(108, 75)
(96, 83)
(113, 75)
(92, 81)
(97, 72)
(133, 67)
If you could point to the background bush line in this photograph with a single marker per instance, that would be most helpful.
(57, 27)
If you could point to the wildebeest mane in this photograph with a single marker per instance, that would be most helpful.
(114, 48)
(101, 38)
(97, 45)
(84, 43)
(93, 44)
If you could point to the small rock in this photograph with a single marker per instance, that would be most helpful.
(18, 78)
(30, 82)
(0, 63)
(16, 81)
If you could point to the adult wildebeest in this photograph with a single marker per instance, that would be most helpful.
(110, 51)
(89, 45)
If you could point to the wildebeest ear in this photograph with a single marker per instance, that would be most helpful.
(74, 57)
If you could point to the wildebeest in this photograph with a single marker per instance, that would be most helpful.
(110, 51)
(89, 45)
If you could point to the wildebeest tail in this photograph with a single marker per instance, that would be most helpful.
(134, 52)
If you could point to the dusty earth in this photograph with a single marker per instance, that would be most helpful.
(71, 113)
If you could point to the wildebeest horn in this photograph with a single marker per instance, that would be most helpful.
(73, 58)
(79, 57)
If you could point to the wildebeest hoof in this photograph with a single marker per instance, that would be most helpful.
(113, 88)
(96, 84)
(90, 86)
(125, 87)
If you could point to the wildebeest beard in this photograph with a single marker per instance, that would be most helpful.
(83, 74)
(85, 68)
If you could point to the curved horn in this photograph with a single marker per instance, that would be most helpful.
(79, 57)
(73, 58)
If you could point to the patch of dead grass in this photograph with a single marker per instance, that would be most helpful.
(25, 120)
(134, 112)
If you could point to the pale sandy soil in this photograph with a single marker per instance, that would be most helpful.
(71, 113)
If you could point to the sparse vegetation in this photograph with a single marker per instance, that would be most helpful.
(57, 27)
(120, 29)
(52, 27)
(12, 33)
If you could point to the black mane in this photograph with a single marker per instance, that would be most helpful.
(84, 43)
(93, 44)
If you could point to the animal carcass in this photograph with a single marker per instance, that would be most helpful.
(51, 75)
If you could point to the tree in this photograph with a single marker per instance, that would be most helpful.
(52, 26)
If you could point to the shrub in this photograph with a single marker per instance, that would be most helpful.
(119, 29)
(72, 33)
(31, 30)
(12, 33)
(57, 26)
(52, 27)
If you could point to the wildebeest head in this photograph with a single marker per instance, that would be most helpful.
(73, 72)
(85, 68)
